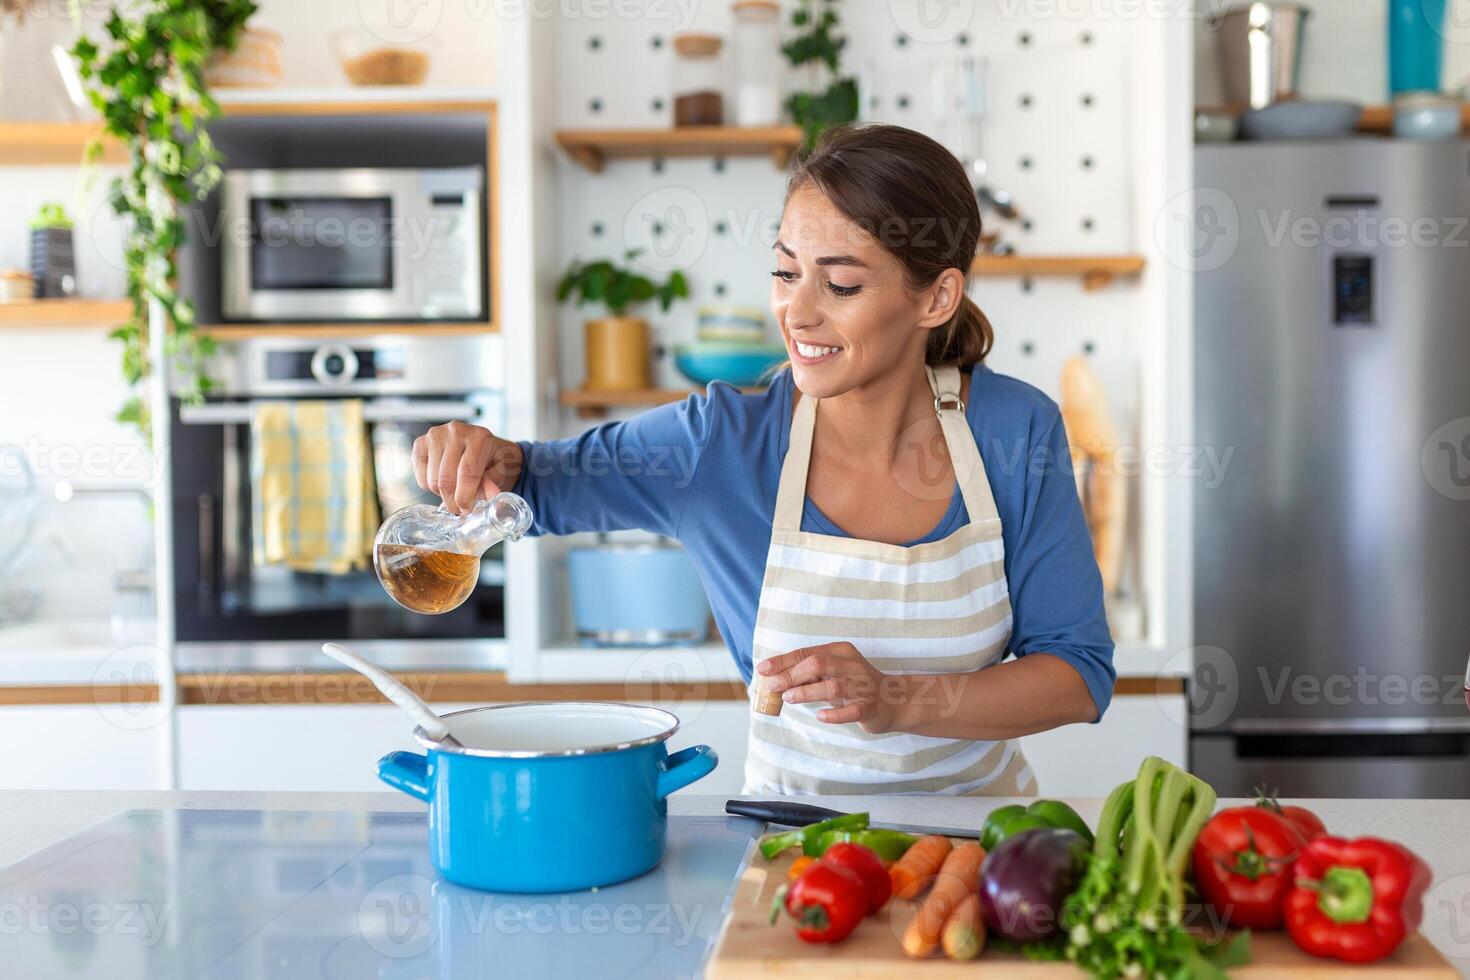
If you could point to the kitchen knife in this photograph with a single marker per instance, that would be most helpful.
(788, 814)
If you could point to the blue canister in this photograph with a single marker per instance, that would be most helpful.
(1415, 45)
(548, 797)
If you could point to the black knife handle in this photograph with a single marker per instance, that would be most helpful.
(781, 812)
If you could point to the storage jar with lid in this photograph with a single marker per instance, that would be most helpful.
(698, 99)
(756, 38)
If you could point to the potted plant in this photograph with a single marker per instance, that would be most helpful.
(617, 344)
(832, 98)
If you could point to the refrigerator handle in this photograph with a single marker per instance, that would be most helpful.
(1353, 745)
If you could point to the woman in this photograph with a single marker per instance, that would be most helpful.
(885, 520)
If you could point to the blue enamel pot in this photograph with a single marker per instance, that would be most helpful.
(548, 797)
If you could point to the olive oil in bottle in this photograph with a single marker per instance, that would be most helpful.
(423, 580)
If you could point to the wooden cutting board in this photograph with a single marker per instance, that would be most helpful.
(750, 947)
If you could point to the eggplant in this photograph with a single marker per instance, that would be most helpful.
(1025, 880)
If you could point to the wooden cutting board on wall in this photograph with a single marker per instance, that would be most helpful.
(749, 947)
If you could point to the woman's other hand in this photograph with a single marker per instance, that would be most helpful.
(464, 463)
(841, 676)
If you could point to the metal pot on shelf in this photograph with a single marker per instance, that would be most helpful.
(636, 593)
(1259, 47)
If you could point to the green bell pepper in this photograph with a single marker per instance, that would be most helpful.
(1059, 815)
(776, 843)
(1008, 821)
(990, 832)
(889, 845)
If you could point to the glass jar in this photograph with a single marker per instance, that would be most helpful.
(756, 38)
(698, 100)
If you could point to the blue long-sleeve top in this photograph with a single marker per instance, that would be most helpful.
(705, 471)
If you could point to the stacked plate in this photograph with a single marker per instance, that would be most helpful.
(731, 347)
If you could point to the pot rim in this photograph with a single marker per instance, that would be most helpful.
(423, 739)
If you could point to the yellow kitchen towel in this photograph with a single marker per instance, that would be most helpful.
(315, 504)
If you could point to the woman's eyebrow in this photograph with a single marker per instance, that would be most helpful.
(853, 260)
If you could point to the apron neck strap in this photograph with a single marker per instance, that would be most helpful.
(964, 454)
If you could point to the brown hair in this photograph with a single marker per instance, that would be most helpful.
(914, 197)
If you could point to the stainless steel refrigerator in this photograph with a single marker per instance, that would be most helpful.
(1332, 559)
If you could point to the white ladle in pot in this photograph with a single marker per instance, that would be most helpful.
(394, 690)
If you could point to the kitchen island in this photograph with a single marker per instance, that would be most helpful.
(1435, 829)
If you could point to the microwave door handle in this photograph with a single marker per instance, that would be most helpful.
(239, 413)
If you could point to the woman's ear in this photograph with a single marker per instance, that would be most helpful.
(943, 299)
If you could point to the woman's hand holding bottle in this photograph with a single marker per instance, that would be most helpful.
(464, 463)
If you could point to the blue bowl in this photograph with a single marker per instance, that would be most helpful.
(739, 364)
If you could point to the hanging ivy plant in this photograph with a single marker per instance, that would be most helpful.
(816, 46)
(146, 77)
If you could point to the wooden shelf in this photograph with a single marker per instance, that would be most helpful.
(106, 313)
(1095, 271)
(592, 148)
(378, 101)
(49, 144)
(324, 331)
(595, 404)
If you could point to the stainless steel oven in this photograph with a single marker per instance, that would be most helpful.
(352, 244)
(233, 611)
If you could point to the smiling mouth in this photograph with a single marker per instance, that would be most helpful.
(814, 352)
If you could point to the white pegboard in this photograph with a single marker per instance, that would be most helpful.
(1056, 135)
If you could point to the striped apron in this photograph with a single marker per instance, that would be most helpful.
(941, 607)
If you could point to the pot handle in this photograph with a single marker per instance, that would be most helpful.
(684, 767)
(406, 771)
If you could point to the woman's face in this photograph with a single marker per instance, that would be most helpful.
(842, 301)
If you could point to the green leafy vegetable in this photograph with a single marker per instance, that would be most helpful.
(1127, 917)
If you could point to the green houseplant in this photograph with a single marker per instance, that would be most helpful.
(146, 78)
(617, 344)
(820, 50)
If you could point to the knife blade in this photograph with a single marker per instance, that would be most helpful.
(788, 814)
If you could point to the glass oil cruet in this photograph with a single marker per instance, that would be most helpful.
(428, 560)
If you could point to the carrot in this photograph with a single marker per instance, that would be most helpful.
(959, 877)
(913, 872)
(798, 866)
(964, 930)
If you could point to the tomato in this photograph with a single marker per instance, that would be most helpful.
(1243, 865)
(1310, 825)
(866, 865)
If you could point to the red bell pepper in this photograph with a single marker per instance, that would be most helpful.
(826, 901)
(1243, 865)
(1355, 900)
(867, 866)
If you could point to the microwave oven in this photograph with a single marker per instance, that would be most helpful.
(369, 244)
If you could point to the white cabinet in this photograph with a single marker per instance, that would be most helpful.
(1089, 760)
(307, 747)
(337, 747)
(82, 746)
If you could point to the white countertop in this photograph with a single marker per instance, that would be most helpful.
(1435, 829)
